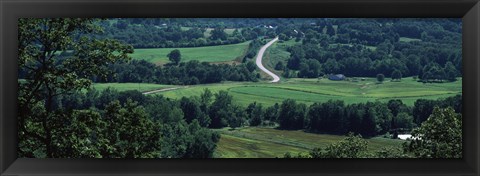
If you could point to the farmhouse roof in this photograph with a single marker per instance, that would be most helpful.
(336, 77)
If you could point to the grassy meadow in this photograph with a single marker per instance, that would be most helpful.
(308, 90)
(207, 32)
(142, 87)
(320, 90)
(262, 142)
(220, 53)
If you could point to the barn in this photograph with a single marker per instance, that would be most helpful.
(337, 77)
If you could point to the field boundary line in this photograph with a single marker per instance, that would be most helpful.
(163, 90)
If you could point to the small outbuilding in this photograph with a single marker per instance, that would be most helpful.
(337, 77)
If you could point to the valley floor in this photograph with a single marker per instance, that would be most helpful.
(321, 90)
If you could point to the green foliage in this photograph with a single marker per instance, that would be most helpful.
(192, 111)
(396, 75)
(272, 112)
(255, 114)
(292, 115)
(450, 71)
(380, 78)
(186, 73)
(130, 132)
(49, 75)
(423, 108)
(440, 136)
(174, 56)
(204, 143)
(279, 66)
(283, 37)
(236, 116)
(220, 109)
(365, 47)
(389, 152)
(310, 69)
(350, 147)
(83, 138)
(327, 117)
(404, 121)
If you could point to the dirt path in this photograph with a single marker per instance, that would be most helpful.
(259, 61)
(163, 90)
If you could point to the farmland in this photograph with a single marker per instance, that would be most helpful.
(220, 53)
(256, 142)
(308, 90)
(142, 87)
(320, 90)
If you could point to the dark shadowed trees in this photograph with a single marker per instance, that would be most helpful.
(49, 75)
(440, 136)
(174, 56)
(292, 115)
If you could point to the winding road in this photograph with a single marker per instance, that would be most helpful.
(259, 60)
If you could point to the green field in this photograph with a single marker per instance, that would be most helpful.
(253, 142)
(142, 87)
(314, 90)
(406, 39)
(220, 53)
(207, 34)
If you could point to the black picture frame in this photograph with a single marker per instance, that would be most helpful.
(11, 10)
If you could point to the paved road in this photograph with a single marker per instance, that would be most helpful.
(259, 61)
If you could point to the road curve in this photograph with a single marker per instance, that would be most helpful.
(259, 60)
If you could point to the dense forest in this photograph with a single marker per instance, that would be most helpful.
(435, 57)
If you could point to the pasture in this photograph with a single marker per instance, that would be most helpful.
(258, 142)
(219, 53)
(320, 90)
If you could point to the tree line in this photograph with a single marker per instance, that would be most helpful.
(141, 33)
(368, 119)
(332, 117)
(185, 73)
(113, 124)
(438, 137)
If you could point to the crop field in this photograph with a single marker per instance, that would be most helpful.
(220, 53)
(256, 142)
(320, 90)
